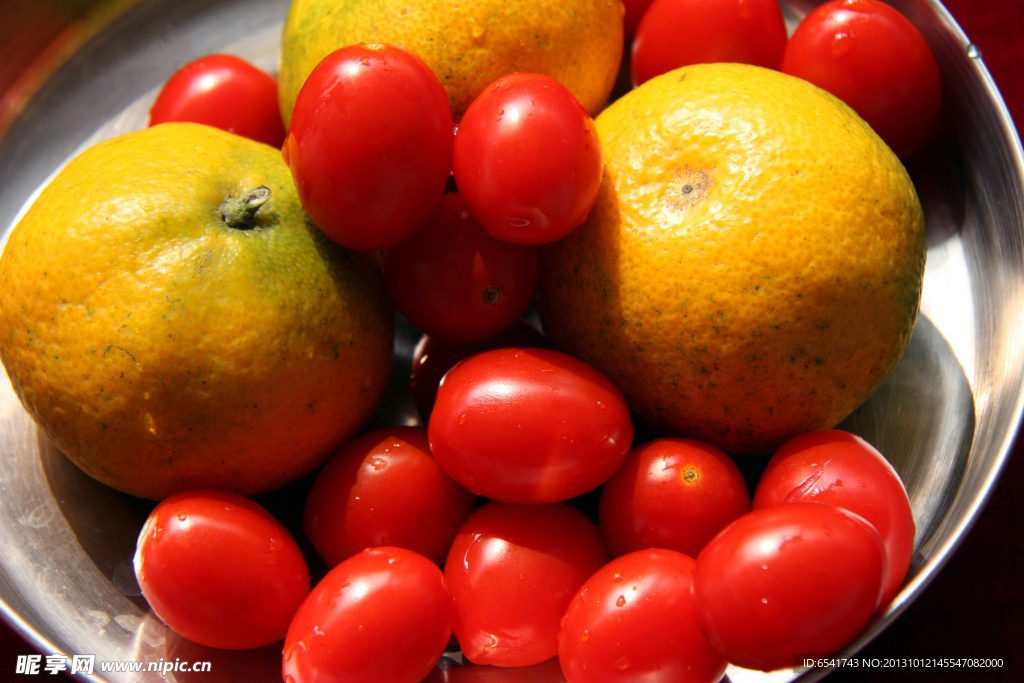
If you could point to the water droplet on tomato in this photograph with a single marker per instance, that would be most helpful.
(621, 601)
(622, 663)
(585, 636)
(616, 577)
(182, 518)
(842, 45)
(517, 222)
(378, 463)
(462, 419)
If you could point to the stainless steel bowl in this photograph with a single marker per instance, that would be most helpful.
(75, 72)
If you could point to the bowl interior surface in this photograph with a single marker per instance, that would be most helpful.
(945, 419)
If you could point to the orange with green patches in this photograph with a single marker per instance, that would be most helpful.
(171, 329)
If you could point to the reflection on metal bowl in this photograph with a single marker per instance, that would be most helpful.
(77, 72)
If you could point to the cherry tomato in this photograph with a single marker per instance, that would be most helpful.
(220, 570)
(529, 426)
(841, 469)
(385, 489)
(512, 571)
(671, 493)
(789, 579)
(633, 621)
(370, 145)
(527, 159)
(225, 92)
(381, 615)
(455, 282)
(634, 13)
(432, 358)
(675, 33)
(870, 56)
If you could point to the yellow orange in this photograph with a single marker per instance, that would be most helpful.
(753, 266)
(468, 43)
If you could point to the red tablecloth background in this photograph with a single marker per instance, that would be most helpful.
(975, 607)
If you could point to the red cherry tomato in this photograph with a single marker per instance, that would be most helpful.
(527, 159)
(841, 469)
(370, 145)
(633, 621)
(381, 615)
(512, 571)
(529, 426)
(671, 493)
(220, 570)
(634, 13)
(455, 282)
(432, 358)
(385, 489)
(790, 579)
(870, 56)
(225, 92)
(675, 33)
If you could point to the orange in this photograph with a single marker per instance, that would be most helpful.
(468, 43)
(753, 266)
(161, 347)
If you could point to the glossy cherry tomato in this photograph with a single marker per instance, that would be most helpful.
(675, 33)
(455, 282)
(370, 145)
(385, 489)
(671, 493)
(512, 571)
(633, 621)
(381, 615)
(841, 469)
(529, 426)
(788, 580)
(220, 570)
(870, 56)
(225, 92)
(527, 159)
(432, 358)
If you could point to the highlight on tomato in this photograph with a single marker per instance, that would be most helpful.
(369, 145)
(226, 92)
(385, 489)
(529, 426)
(633, 621)
(512, 571)
(671, 493)
(842, 469)
(220, 570)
